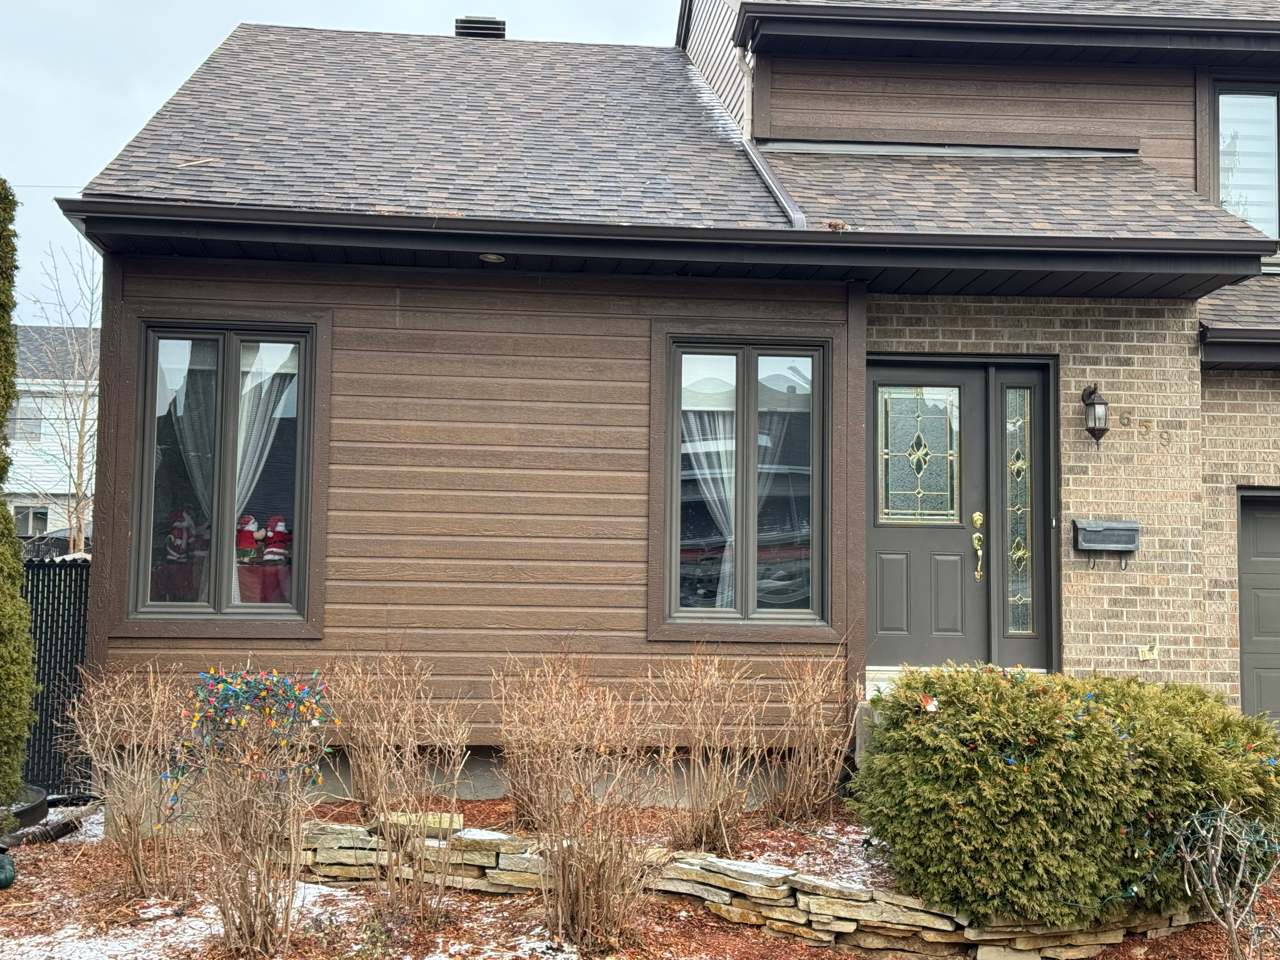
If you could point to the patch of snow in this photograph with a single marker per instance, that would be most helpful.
(93, 821)
(161, 935)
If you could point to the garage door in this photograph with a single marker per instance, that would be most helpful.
(1259, 544)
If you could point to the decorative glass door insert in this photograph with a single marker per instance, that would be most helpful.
(1018, 504)
(919, 455)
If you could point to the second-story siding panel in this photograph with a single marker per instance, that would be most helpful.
(712, 51)
(1016, 105)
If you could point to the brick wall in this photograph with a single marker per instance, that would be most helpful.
(1144, 356)
(1240, 426)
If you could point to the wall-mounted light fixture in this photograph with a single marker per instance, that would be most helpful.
(1095, 414)
(493, 258)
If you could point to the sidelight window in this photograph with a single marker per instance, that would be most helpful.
(223, 522)
(1249, 156)
(746, 481)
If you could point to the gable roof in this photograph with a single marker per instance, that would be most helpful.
(54, 353)
(383, 123)
(1243, 308)
(1083, 196)
(1254, 10)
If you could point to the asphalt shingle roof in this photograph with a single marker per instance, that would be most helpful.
(1182, 9)
(1251, 305)
(439, 126)
(57, 353)
(1117, 196)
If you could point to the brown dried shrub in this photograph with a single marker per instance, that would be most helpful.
(575, 757)
(808, 755)
(712, 712)
(121, 728)
(408, 755)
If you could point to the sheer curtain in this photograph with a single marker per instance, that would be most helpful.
(194, 412)
(709, 441)
(772, 429)
(267, 371)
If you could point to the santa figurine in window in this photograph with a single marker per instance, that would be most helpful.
(200, 540)
(178, 542)
(247, 538)
(275, 548)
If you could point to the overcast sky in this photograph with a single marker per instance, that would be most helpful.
(81, 77)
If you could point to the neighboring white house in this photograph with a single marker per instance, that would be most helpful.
(53, 431)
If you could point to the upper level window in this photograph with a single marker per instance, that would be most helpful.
(24, 421)
(224, 518)
(1249, 155)
(31, 521)
(746, 482)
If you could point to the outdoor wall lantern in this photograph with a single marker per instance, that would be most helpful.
(1095, 414)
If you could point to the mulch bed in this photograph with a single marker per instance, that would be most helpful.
(83, 883)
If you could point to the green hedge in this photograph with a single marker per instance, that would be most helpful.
(1047, 799)
(17, 671)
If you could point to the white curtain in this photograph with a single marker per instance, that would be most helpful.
(772, 427)
(709, 441)
(194, 411)
(261, 393)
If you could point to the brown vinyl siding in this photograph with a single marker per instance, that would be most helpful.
(712, 51)
(488, 460)
(1022, 105)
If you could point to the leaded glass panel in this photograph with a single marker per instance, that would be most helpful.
(919, 454)
(1018, 510)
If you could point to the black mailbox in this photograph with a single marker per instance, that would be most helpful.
(1115, 536)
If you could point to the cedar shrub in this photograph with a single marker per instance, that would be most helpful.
(17, 667)
(1048, 799)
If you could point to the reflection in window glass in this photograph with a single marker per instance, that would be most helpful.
(784, 476)
(708, 449)
(1249, 159)
(186, 388)
(919, 454)
(266, 471)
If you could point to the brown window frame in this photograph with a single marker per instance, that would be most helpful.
(841, 357)
(221, 561)
(122, 396)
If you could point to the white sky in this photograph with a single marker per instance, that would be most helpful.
(81, 77)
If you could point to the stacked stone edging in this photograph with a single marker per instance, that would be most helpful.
(848, 918)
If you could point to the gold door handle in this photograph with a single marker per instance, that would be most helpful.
(978, 541)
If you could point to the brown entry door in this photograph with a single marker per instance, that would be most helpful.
(957, 523)
(1259, 546)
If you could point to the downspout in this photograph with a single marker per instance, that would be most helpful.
(775, 186)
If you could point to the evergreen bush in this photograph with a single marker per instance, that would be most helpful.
(17, 669)
(1047, 799)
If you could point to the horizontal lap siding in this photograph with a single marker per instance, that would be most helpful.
(832, 100)
(489, 456)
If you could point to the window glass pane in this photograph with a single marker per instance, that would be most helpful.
(784, 479)
(266, 472)
(24, 420)
(1248, 161)
(1018, 506)
(708, 495)
(919, 454)
(186, 405)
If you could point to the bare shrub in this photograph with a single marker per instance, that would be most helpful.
(407, 755)
(713, 746)
(1226, 862)
(574, 753)
(808, 754)
(249, 758)
(123, 727)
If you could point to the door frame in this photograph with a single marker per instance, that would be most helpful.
(1254, 494)
(1048, 364)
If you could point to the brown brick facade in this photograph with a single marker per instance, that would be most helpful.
(1240, 426)
(1144, 356)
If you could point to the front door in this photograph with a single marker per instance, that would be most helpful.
(1259, 552)
(958, 527)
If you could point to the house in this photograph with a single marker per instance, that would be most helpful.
(777, 340)
(52, 432)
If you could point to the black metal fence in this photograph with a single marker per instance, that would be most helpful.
(58, 592)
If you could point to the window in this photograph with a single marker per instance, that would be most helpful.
(224, 527)
(24, 421)
(745, 482)
(31, 521)
(1249, 155)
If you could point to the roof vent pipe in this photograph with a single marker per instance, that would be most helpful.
(480, 28)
